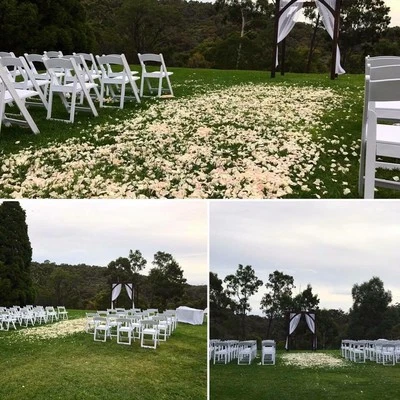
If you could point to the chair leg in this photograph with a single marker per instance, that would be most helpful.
(361, 171)
(121, 103)
(141, 86)
(135, 90)
(90, 102)
(369, 185)
(160, 86)
(50, 104)
(72, 109)
(101, 94)
(169, 85)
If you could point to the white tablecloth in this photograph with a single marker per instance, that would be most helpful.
(190, 315)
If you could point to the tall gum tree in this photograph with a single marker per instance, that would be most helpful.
(15, 256)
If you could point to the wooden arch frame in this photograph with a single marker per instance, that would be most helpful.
(303, 313)
(278, 13)
(114, 285)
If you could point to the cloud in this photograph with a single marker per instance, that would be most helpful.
(331, 245)
(98, 231)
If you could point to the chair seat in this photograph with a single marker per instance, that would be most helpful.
(29, 85)
(388, 134)
(125, 329)
(388, 109)
(156, 74)
(149, 331)
(268, 351)
(22, 93)
(119, 79)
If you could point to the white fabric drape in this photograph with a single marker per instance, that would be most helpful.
(329, 22)
(129, 289)
(294, 321)
(115, 292)
(310, 319)
(288, 20)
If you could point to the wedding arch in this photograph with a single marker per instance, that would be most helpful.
(287, 13)
(116, 291)
(294, 318)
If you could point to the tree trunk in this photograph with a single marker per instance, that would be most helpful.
(269, 327)
(243, 327)
(312, 45)
(239, 52)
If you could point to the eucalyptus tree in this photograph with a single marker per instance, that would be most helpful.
(278, 298)
(240, 287)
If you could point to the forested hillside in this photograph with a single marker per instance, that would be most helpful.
(89, 287)
(228, 34)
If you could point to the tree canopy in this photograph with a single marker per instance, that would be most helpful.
(230, 34)
(370, 304)
(15, 256)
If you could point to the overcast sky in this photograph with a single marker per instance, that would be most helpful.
(394, 11)
(330, 244)
(96, 232)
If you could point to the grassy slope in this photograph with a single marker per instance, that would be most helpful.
(76, 367)
(345, 122)
(279, 382)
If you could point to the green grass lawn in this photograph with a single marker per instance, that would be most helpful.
(164, 148)
(280, 382)
(76, 367)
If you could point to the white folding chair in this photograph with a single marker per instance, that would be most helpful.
(51, 314)
(136, 325)
(85, 73)
(124, 326)
(62, 312)
(268, 352)
(101, 329)
(149, 333)
(381, 140)
(389, 354)
(53, 54)
(110, 77)
(161, 74)
(10, 95)
(358, 351)
(245, 353)
(76, 85)
(384, 110)
(91, 64)
(90, 322)
(27, 79)
(163, 328)
(221, 352)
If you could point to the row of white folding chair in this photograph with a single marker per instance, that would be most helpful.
(381, 102)
(224, 351)
(150, 331)
(247, 352)
(29, 315)
(146, 75)
(381, 351)
(79, 79)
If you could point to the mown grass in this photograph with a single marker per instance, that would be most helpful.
(76, 367)
(280, 382)
(344, 123)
